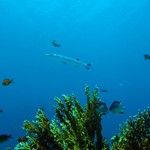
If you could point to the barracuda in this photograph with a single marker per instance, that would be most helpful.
(68, 60)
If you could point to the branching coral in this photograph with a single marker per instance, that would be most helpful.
(70, 131)
(135, 135)
(74, 127)
(79, 128)
(38, 134)
(93, 118)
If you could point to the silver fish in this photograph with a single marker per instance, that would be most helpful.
(102, 107)
(117, 107)
(68, 60)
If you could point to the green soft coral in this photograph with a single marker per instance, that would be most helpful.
(74, 127)
(38, 134)
(79, 128)
(71, 122)
(135, 134)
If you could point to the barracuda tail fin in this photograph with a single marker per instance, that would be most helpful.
(88, 66)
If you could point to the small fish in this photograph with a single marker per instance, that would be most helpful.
(68, 60)
(147, 57)
(55, 43)
(117, 107)
(7, 82)
(4, 138)
(1, 110)
(22, 139)
(104, 90)
(102, 107)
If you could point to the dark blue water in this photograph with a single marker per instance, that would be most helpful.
(111, 35)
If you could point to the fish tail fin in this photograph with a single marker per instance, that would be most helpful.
(10, 136)
(88, 66)
(12, 81)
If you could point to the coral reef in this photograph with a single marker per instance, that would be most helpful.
(135, 134)
(39, 136)
(79, 128)
(74, 127)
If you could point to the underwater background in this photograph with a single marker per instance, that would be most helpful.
(112, 35)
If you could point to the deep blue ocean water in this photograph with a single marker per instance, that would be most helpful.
(112, 35)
